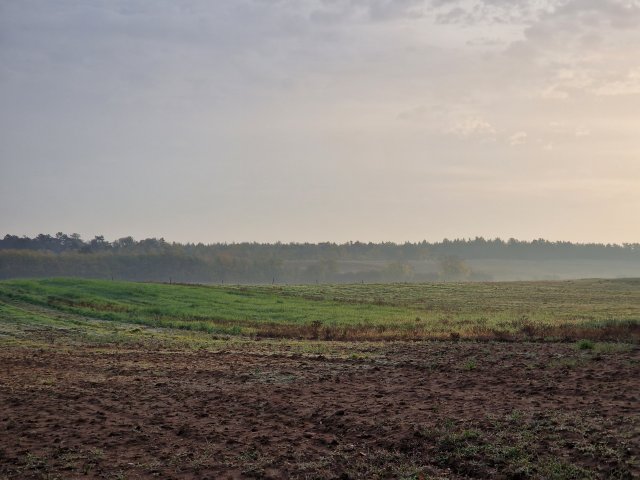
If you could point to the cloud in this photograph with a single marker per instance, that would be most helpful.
(473, 12)
(628, 85)
(580, 48)
(345, 11)
(460, 121)
(518, 138)
(473, 127)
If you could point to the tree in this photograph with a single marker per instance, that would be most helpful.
(454, 268)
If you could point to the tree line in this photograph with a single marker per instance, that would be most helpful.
(476, 248)
(154, 259)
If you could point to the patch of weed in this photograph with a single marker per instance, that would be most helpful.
(585, 344)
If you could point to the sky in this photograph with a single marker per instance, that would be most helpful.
(321, 120)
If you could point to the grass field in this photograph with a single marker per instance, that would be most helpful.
(568, 310)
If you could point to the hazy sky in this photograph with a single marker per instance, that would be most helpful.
(295, 120)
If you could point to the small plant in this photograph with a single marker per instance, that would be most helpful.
(585, 344)
(96, 453)
(470, 434)
(35, 462)
(515, 416)
(470, 365)
(558, 469)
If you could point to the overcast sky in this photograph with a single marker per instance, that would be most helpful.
(296, 120)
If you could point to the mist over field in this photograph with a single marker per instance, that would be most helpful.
(353, 262)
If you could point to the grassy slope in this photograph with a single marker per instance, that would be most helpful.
(600, 309)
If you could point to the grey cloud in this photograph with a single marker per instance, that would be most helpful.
(109, 47)
(577, 47)
(596, 13)
(587, 20)
(389, 9)
(331, 12)
(474, 12)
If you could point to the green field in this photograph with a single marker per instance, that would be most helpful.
(568, 310)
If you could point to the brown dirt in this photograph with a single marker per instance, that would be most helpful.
(412, 410)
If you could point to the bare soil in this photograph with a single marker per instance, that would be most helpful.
(402, 410)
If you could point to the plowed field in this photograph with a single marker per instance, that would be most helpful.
(268, 410)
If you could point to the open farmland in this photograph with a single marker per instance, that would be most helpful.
(510, 380)
(568, 310)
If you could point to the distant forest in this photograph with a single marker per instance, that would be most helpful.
(155, 259)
